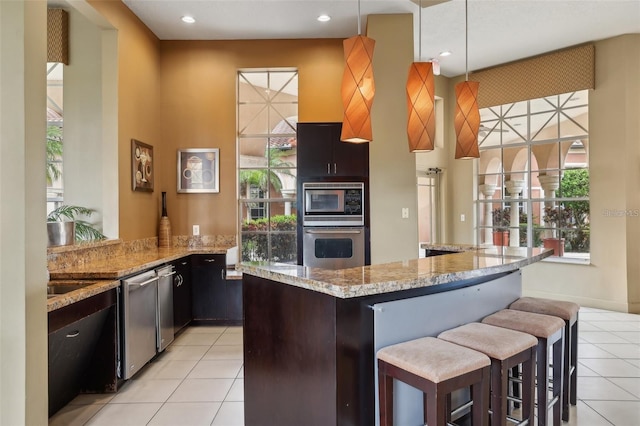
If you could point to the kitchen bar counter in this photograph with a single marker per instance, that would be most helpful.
(311, 335)
(99, 275)
(127, 264)
(396, 276)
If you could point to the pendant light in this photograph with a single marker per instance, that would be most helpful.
(358, 88)
(421, 120)
(467, 117)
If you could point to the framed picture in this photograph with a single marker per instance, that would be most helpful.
(142, 166)
(198, 170)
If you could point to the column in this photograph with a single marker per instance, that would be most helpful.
(288, 193)
(488, 189)
(514, 187)
(549, 184)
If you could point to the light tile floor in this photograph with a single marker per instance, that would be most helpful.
(199, 380)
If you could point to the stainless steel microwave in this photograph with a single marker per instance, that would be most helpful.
(333, 204)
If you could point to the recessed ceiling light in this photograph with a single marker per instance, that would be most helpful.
(445, 53)
(188, 19)
(324, 18)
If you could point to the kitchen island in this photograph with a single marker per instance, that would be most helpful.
(310, 335)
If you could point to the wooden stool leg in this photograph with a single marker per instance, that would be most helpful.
(480, 395)
(436, 409)
(567, 371)
(499, 383)
(385, 388)
(573, 394)
(558, 367)
(542, 381)
(528, 377)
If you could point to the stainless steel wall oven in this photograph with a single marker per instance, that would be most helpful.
(333, 218)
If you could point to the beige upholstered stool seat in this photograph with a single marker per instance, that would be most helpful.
(537, 325)
(495, 342)
(437, 368)
(433, 359)
(556, 308)
(507, 349)
(569, 312)
(550, 332)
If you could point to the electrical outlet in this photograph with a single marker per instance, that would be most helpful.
(462, 218)
(405, 212)
(196, 230)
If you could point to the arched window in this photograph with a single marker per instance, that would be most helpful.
(534, 174)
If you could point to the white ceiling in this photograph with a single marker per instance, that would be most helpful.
(499, 31)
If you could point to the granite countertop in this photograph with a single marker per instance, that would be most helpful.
(396, 276)
(97, 276)
(86, 289)
(127, 264)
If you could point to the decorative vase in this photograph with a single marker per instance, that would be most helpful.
(164, 228)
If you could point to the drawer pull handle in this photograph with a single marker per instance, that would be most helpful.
(209, 260)
(73, 334)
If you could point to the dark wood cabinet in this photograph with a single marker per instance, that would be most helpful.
(215, 298)
(82, 342)
(182, 298)
(209, 287)
(321, 153)
(234, 301)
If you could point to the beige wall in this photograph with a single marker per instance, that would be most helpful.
(181, 94)
(392, 167)
(138, 115)
(23, 317)
(198, 110)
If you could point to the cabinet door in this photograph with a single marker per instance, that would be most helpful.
(209, 294)
(234, 300)
(322, 153)
(315, 149)
(350, 159)
(182, 312)
(70, 351)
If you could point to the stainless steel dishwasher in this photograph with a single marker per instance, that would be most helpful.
(164, 324)
(140, 301)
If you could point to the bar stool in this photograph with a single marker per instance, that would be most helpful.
(549, 331)
(567, 311)
(506, 349)
(437, 368)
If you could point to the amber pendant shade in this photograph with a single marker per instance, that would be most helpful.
(467, 120)
(421, 119)
(358, 89)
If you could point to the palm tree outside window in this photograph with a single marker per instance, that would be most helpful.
(267, 120)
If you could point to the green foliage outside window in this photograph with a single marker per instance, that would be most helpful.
(255, 239)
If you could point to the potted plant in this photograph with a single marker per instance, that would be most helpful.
(556, 218)
(501, 222)
(64, 227)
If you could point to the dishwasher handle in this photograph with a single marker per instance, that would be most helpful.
(167, 275)
(133, 285)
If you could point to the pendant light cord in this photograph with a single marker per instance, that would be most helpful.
(359, 32)
(420, 32)
(466, 44)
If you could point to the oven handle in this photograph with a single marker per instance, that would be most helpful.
(333, 231)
